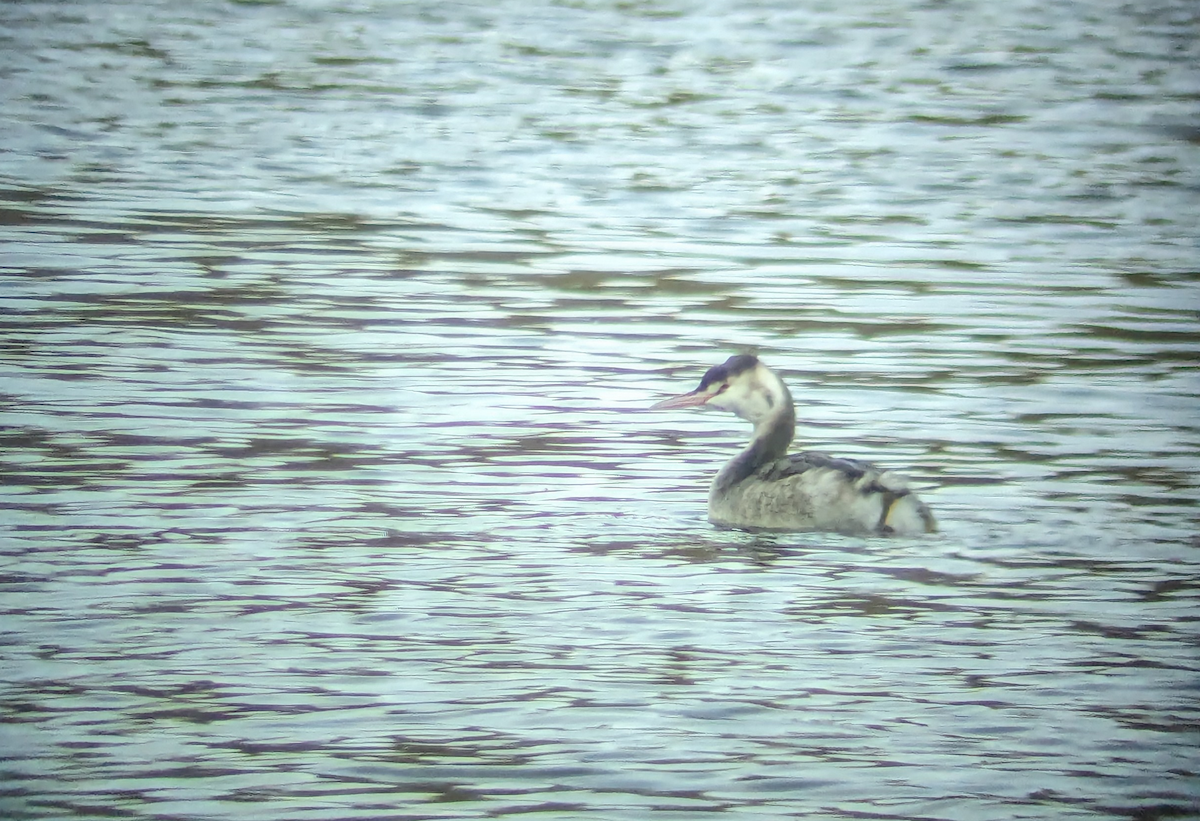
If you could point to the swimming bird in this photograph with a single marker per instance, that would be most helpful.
(765, 488)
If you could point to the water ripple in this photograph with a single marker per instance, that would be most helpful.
(327, 339)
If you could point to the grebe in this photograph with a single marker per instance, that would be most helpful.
(764, 488)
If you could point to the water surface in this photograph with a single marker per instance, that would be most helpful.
(328, 336)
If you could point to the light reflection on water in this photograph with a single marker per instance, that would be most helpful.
(330, 489)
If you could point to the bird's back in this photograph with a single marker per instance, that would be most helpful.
(813, 491)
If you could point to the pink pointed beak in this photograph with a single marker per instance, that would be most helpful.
(685, 400)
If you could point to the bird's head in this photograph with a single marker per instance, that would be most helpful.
(742, 385)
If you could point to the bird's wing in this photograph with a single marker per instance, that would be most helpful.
(867, 478)
(796, 463)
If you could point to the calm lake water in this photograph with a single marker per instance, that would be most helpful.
(328, 335)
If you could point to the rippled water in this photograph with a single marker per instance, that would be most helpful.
(328, 333)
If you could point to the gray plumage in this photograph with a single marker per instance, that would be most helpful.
(765, 488)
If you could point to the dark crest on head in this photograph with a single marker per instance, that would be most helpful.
(729, 368)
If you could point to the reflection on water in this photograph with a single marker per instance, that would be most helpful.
(326, 339)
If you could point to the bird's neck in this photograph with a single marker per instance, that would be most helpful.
(770, 441)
